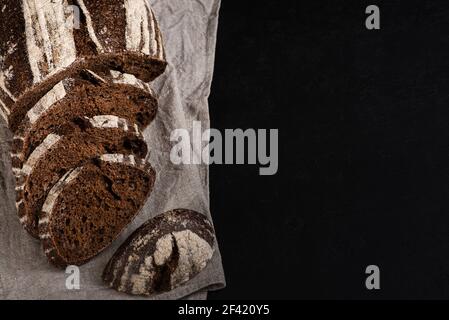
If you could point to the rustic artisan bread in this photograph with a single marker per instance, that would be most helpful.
(86, 94)
(90, 205)
(162, 254)
(76, 98)
(59, 154)
(40, 45)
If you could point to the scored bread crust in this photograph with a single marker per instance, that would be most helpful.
(86, 94)
(44, 48)
(109, 173)
(58, 154)
(162, 254)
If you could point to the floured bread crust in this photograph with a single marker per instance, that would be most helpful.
(43, 46)
(164, 253)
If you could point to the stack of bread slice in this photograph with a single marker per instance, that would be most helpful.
(74, 91)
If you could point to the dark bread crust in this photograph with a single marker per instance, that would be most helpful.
(134, 268)
(69, 152)
(85, 96)
(91, 210)
(25, 76)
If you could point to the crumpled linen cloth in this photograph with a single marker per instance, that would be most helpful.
(189, 28)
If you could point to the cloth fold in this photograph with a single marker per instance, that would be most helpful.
(189, 29)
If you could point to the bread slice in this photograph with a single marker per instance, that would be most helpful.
(91, 205)
(59, 154)
(43, 46)
(162, 254)
(86, 93)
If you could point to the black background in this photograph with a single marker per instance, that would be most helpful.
(363, 149)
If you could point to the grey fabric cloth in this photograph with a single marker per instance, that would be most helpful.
(202, 295)
(189, 28)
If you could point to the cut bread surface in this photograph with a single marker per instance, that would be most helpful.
(87, 93)
(59, 154)
(90, 206)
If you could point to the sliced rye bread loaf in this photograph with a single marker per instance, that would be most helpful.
(84, 95)
(91, 205)
(162, 254)
(59, 154)
(43, 46)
